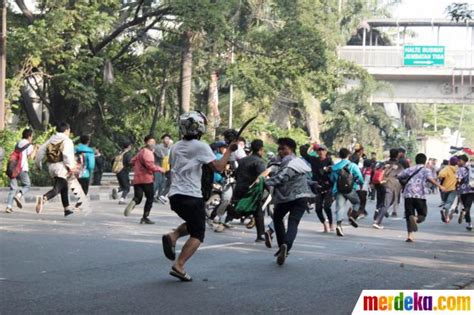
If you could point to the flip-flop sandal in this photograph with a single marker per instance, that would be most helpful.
(181, 276)
(168, 247)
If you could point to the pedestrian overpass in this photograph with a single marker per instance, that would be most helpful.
(451, 82)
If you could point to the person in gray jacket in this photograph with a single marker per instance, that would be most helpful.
(290, 195)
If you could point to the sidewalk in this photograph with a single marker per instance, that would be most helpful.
(96, 193)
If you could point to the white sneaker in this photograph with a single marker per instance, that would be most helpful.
(376, 226)
(163, 200)
(122, 201)
(219, 228)
(8, 210)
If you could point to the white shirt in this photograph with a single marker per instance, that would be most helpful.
(237, 155)
(186, 160)
(24, 154)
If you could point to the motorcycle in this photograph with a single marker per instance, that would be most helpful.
(221, 197)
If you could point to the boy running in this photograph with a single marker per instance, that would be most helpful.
(414, 192)
(186, 160)
(27, 151)
(465, 190)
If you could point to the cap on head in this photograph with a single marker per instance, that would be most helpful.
(321, 147)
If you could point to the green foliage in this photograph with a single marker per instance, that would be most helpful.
(278, 46)
(449, 116)
(8, 140)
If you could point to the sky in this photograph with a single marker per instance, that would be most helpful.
(452, 37)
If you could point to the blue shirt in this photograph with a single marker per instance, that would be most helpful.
(353, 168)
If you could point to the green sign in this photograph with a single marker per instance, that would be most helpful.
(423, 55)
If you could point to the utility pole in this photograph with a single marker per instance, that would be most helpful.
(3, 60)
(231, 92)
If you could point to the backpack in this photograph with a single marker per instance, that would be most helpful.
(14, 162)
(345, 180)
(80, 164)
(378, 176)
(118, 166)
(54, 152)
(207, 180)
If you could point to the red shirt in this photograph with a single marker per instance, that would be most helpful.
(144, 167)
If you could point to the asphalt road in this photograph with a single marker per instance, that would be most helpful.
(104, 262)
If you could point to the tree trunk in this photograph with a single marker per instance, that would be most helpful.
(281, 111)
(186, 72)
(3, 60)
(213, 115)
(158, 103)
(312, 115)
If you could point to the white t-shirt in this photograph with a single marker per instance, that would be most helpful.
(237, 155)
(24, 154)
(186, 160)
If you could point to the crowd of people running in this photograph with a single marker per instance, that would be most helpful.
(190, 172)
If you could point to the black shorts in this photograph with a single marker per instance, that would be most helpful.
(192, 211)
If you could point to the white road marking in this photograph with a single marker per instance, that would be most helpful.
(221, 245)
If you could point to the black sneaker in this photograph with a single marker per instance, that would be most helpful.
(353, 222)
(114, 194)
(469, 227)
(394, 215)
(282, 254)
(412, 222)
(146, 221)
(376, 213)
(461, 216)
(386, 214)
(339, 231)
(259, 240)
(68, 212)
(443, 216)
(268, 238)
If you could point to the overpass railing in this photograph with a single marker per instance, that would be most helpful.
(392, 56)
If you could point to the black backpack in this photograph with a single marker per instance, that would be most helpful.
(345, 180)
(207, 180)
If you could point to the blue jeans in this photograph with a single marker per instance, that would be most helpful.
(24, 178)
(450, 198)
(341, 204)
(159, 183)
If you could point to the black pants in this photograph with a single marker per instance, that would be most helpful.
(324, 202)
(296, 209)
(124, 182)
(85, 182)
(259, 222)
(97, 178)
(363, 201)
(416, 207)
(146, 189)
(467, 200)
(59, 187)
(380, 192)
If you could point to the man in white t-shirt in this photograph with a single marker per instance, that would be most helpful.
(187, 158)
(27, 151)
